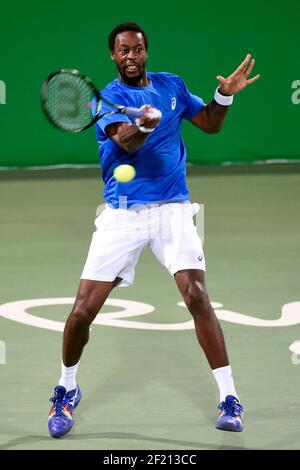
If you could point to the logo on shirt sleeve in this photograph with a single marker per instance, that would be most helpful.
(173, 103)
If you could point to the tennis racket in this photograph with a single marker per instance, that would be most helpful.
(73, 103)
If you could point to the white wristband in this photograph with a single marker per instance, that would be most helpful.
(223, 100)
(145, 130)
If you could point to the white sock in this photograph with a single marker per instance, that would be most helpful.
(223, 376)
(68, 375)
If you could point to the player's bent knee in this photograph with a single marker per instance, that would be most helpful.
(82, 316)
(197, 302)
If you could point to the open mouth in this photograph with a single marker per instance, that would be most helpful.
(132, 68)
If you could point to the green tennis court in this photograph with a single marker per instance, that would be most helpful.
(152, 388)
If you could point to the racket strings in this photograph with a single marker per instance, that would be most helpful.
(69, 101)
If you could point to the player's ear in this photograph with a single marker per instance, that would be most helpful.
(112, 56)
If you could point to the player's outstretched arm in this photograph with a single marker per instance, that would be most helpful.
(210, 119)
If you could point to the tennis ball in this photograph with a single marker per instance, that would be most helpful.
(124, 173)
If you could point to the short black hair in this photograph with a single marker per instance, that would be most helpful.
(125, 27)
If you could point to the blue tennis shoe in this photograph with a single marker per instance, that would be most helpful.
(61, 420)
(231, 415)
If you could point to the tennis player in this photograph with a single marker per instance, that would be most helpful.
(158, 196)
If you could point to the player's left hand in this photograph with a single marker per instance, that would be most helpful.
(237, 81)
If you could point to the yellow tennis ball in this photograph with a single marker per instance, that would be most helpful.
(124, 173)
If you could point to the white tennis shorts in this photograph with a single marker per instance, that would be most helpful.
(121, 235)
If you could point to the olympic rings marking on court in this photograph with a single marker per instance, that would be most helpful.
(2, 352)
(17, 311)
(295, 349)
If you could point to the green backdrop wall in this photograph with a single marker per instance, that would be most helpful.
(194, 39)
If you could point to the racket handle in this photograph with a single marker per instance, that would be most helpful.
(133, 112)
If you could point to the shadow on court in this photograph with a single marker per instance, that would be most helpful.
(125, 436)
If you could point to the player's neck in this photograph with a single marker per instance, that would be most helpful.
(140, 82)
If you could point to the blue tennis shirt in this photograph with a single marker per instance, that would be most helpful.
(161, 163)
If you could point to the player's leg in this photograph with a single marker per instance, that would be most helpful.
(112, 257)
(179, 248)
(191, 283)
(90, 298)
(113, 254)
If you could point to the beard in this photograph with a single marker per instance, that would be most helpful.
(132, 81)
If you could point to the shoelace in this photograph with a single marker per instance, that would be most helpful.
(58, 402)
(232, 407)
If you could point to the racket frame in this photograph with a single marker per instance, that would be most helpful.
(118, 109)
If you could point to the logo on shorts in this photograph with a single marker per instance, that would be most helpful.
(173, 103)
(200, 258)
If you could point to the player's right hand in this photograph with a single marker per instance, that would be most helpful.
(151, 117)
